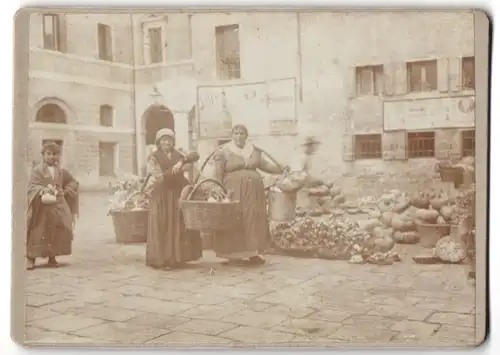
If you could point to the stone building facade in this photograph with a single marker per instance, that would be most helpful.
(382, 91)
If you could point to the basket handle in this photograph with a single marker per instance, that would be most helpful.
(198, 184)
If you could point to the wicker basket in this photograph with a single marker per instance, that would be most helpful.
(452, 174)
(130, 226)
(210, 216)
(430, 233)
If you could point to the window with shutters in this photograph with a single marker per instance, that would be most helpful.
(227, 48)
(370, 80)
(469, 143)
(368, 146)
(422, 76)
(105, 42)
(51, 32)
(155, 44)
(468, 73)
(420, 144)
(106, 116)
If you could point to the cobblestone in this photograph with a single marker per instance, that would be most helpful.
(105, 295)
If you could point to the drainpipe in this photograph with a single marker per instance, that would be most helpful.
(138, 125)
(299, 54)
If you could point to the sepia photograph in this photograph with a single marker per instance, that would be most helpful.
(250, 178)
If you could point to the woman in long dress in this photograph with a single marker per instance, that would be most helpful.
(169, 244)
(236, 165)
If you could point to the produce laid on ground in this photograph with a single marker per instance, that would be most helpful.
(125, 195)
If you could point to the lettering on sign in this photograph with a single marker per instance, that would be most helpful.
(450, 112)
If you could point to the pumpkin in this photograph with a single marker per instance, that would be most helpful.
(450, 249)
(420, 201)
(400, 223)
(428, 216)
(386, 218)
(374, 214)
(329, 184)
(441, 220)
(438, 202)
(410, 237)
(339, 199)
(401, 205)
(369, 225)
(447, 212)
(319, 191)
(335, 191)
(356, 259)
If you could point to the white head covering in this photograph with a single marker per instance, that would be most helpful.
(164, 132)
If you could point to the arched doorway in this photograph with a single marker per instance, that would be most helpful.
(155, 118)
(51, 113)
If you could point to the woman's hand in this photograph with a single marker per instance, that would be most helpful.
(177, 167)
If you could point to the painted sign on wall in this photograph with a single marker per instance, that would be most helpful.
(258, 105)
(449, 112)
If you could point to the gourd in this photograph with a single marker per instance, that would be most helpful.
(400, 223)
(450, 249)
(420, 201)
(441, 220)
(386, 218)
(382, 240)
(410, 237)
(319, 191)
(401, 205)
(428, 216)
(438, 202)
(447, 212)
(374, 214)
(369, 225)
(335, 191)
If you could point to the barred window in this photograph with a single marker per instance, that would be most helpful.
(468, 73)
(422, 75)
(368, 146)
(370, 80)
(469, 143)
(227, 43)
(420, 144)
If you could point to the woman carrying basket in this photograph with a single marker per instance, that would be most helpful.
(236, 165)
(169, 244)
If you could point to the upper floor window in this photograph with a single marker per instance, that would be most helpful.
(51, 32)
(468, 73)
(422, 75)
(469, 143)
(106, 116)
(104, 37)
(227, 47)
(155, 44)
(370, 80)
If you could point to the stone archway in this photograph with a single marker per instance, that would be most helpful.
(51, 113)
(155, 118)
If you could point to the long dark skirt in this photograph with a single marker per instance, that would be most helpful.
(51, 233)
(168, 242)
(252, 236)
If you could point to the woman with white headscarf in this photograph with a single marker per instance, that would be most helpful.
(169, 244)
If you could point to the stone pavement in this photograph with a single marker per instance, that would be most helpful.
(105, 295)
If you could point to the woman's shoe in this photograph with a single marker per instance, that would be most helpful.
(52, 262)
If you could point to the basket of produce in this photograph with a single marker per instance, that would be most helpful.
(215, 212)
(129, 209)
(430, 234)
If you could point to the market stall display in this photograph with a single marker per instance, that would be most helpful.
(128, 207)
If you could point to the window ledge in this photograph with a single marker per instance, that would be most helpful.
(81, 58)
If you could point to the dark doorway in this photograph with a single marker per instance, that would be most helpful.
(51, 113)
(155, 118)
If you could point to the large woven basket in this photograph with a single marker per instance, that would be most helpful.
(207, 216)
(430, 234)
(130, 226)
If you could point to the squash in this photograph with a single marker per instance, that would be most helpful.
(369, 225)
(428, 216)
(447, 212)
(387, 199)
(409, 237)
(319, 191)
(339, 199)
(329, 184)
(386, 218)
(440, 220)
(401, 205)
(420, 200)
(438, 202)
(400, 223)
(450, 249)
(374, 214)
(335, 191)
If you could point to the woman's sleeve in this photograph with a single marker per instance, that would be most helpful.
(267, 166)
(219, 166)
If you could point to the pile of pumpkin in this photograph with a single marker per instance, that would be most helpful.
(338, 238)
(326, 198)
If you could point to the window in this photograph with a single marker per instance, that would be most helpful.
(422, 76)
(469, 143)
(51, 113)
(421, 144)
(51, 32)
(155, 45)
(370, 80)
(368, 146)
(107, 159)
(227, 43)
(468, 73)
(104, 37)
(106, 116)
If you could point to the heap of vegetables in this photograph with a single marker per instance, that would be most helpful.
(328, 198)
(338, 238)
(125, 195)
